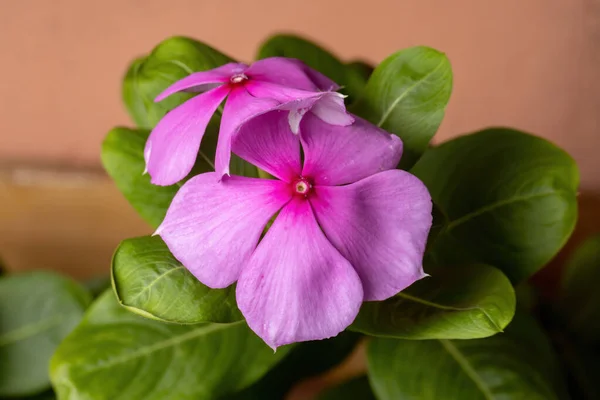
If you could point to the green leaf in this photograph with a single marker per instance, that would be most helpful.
(358, 74)
(315, 57)
(171, 60)
(149, 281)
(580, 298)
(123, 159)
(509, 200)
(355, 389)
(304, 360)
(37, 310)
(361, 69)
(115, 354)
(407, 95)
(465, 302)
(517, 364)
(97, 284)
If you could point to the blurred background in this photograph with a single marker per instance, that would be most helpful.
(531, 65)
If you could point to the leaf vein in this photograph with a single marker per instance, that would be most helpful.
(501, 203)
(466, 366)
(172, 341)
(158, 278)
(26, 331)
(408, 90)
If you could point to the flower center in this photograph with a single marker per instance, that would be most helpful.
(302, 187)
(237, 78)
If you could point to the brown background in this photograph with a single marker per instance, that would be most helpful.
(531, 64)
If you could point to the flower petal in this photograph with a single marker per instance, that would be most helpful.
(285, 94)
(204, 80)
(380, 224)
(331, 109)
(240, 107)
(297, 287)
(267, 142)
(289, 72)
(328, 106)
(337, 155)
(213, 227)
(173, 145)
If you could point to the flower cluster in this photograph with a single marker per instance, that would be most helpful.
(347, 226)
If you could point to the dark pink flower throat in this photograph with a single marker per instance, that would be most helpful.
(302, 187)
(238, 78)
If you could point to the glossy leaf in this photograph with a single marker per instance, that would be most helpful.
(315, 57)
(115, 354)
(465, 302)
(407, 95)
(508, 198)
(123, 159)
(169, 61)
(355, 389)
(580, 299)
(305, 360)
(37, 310)
(518, 364)
(149, 281)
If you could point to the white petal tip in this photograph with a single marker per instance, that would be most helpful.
(157, 231)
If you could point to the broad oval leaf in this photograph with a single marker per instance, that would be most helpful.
(123, 160)
(508, 198)
(580, 298)
(517, 364)
(149, 281)
(315, 57)
(169, 61)
(37, 310)
(465, 302)
(305, 360)
(407, 95)
(115, 354)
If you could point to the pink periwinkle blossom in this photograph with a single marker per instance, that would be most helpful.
(349, 227)
(271, 83)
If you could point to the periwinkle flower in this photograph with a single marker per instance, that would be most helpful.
(349, 227)
(275, 82)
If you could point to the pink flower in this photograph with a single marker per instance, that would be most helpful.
(350, 228)
(271, 83)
